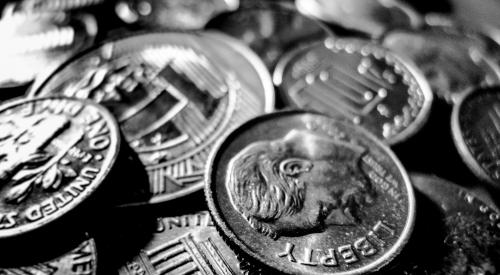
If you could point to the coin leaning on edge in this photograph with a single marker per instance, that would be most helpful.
(303, 193)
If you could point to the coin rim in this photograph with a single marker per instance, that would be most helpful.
(459, 141)
(238, 244)
(96, 183)
(424, 113)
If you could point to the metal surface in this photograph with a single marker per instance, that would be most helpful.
(359, 81)
(187, 244)
(55, 153)
(174, 95)
(79, 261)
(476, 132)
(451, 62)
(307, 194)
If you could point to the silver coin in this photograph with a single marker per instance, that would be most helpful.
(359, 81)
(373, 17)
(174, 95)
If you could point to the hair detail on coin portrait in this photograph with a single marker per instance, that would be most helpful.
(299, 184)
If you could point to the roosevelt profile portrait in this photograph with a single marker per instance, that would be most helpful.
(299, 184)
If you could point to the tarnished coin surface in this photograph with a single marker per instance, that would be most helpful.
(173, 14)
(307, 194)
(359, 81)
(452, 62)
(373, 17)
(270, 29)
(463, 230)
(80, 261)
(174, 95)
(187, 244)
(54, 154)
(476, 132)
(34, 43)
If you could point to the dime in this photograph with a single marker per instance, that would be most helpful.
(372, 17)
(173, 14)
(476, 132)
(463, 231)
(174, 95)
(452, 62)
(54, 154)
(82, 260)
(270, 29)
(34, 43)
(187, 244)
(307, 194)
(359, 81)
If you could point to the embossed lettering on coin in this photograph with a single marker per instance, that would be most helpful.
(54, 153)
(304, 193)
(476, 132)
(174, 95)
(184, 245)
(359, 81)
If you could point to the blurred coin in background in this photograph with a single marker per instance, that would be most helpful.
(373, 17)
(35, 43)
(187, 244)
(80, 260)
(174, 95)
(359, 81)
(303, 193)
(270, 29)
(476, 132)
(452, 62)
(172, 14)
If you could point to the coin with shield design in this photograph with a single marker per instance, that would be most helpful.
(174, 95)
(304, 193)
(359, 81)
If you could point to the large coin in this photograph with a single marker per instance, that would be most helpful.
(54, 154)
(187, 244)
(373, 17)
(307, 194)
(174, 95)
(476, 132)
(452, 62)
(82, 260)
(463, 230)
(270, 29)
(359, 81)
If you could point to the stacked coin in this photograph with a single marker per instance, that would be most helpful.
(247, 137)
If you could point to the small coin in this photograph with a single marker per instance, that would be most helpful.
(270, 29)
(174, 95)
(373, 17)
(187, 244)
(307, 194)
(476, 132)
(359, 81)
(35, 43)
(80, 260)
(452, 61)
(55, 153)
(173, 14)
(455, 232)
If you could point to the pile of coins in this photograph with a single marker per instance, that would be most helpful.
(142, 137)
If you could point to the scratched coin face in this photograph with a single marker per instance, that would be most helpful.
(270, 29)
(79, 261)
(464, 231)
(187, 244)
(358, 81)
(307, 194)
(55, 152)
(450, 61)
(174, 95)
(476, 132)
